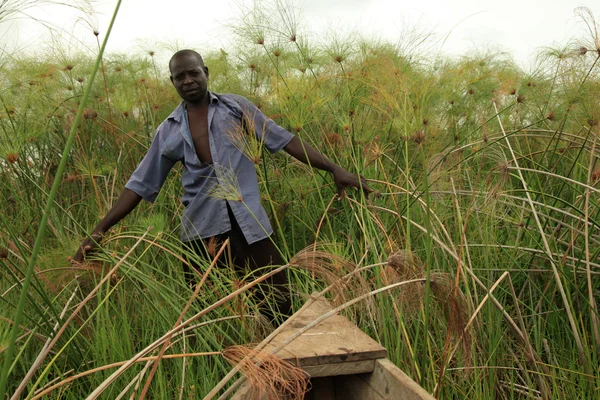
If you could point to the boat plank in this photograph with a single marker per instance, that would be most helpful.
(347, 368)
(334, 340)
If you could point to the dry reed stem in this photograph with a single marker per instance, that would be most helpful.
(40, 356)
(553, 175)
(538, 251)
(269, 377)
(586, 208)
(468, 325)
(183, 362)
(180, 318)
(53, 381)
(521, 389)
(464, 243)
(420, 201)
(97, 391)
(46, 351)
(530, 353)
(559, 284)
(141, 374)
(525, 208)
(118, 364)
(320, 224)
(369, 309)
(27, 332)
(135, 381)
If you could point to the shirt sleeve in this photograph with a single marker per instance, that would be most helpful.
(150, 174)
(273, 136)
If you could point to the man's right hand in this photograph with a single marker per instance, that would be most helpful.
(89, 245)
(126, 202)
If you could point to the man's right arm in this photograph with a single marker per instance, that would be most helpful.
(145, 183)
(127, 201)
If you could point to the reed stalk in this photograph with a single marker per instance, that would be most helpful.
(48, 209)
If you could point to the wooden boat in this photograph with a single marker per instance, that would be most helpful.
(342, 361)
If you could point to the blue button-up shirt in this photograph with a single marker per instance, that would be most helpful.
(230, 178)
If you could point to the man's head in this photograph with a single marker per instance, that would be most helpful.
(189, 75)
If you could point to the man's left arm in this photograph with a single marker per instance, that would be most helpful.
(304, 152)
(275, 138)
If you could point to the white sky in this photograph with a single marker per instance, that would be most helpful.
(518, 27)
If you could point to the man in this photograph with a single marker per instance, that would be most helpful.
(198, 133)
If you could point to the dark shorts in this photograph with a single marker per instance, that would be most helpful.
(246, 259)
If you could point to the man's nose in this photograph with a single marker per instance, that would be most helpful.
(187, 80)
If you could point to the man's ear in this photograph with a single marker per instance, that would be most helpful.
(171, 78)
(206, 71)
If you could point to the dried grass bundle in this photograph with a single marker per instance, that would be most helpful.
(333, 269)
(269, 377)
(403, 266)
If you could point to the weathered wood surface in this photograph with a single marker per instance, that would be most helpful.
(333, 341)
(343, 362)
(343, 368)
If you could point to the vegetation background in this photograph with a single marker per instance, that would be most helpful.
(486, 207)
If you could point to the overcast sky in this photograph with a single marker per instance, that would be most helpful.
(518, 27)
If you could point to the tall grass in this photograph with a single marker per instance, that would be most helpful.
(486, 188)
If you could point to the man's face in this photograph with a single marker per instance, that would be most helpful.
(190, 78)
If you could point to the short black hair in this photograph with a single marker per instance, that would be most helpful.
(186, 52)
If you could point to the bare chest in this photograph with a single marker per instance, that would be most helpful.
(198, 121)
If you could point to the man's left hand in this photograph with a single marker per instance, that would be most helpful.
(344, 179)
